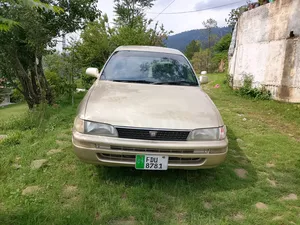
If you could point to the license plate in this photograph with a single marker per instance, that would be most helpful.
(151, 162)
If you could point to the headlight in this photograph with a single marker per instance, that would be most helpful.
(93, 128)
(79, 125)
(208, 134)
(100, 129)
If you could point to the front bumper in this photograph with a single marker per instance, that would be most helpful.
(112, 151)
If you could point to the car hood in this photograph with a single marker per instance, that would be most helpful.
(150, 106)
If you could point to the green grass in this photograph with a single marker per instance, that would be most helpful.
(12, 110)
(76, 193)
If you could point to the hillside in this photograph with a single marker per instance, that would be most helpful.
(181, 40)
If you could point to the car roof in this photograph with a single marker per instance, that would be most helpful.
(149, 49)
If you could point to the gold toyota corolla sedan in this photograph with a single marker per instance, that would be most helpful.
(147, 110)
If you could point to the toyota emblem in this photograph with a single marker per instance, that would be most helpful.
(153, 133)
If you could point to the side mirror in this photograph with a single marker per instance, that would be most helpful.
(203, 79)
(94, 72)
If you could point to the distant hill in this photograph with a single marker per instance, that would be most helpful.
(181, 40)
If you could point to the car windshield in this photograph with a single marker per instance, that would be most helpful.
(149, 67)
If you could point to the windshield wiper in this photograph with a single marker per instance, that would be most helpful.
(134, 81)
(181, 82)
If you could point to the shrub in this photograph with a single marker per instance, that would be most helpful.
(228, 80)
(257, 93)
(60, 86)
(12, 139)
(16, 96)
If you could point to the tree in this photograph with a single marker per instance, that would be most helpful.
(128, 11)
(223, 44)
(191, 48)
(209, 25)
(140, 34)
(220, 56)
(22, 47)
(95, 45)
(234, 16)
(200, 60)
(6, 24)
(98, 39)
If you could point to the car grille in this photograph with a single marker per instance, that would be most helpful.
(157, 135)
(151, 150)
(131, 158)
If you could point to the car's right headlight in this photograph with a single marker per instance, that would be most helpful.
(79, 125)
(208, 134)
(94, 128)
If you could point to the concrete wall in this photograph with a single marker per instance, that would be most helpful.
(264, 49)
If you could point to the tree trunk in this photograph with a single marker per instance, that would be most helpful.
(44, 83)
(28, 90)
(35, 87)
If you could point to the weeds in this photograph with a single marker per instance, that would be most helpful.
(257, 93)
(228, 80)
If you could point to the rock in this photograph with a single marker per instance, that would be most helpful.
(203, 79)
(16, 166)
(238, 217)
(180, 217)
(276, 218)
(70, 191)
(30, 190)
(261, 205)
(270, 165)
(53, 151)
(34, 144)
(124, 195)
(241, 143)
(2, 136)
(241, 173)
(37, 164)
(60, 142)
(290, 197)
(124, 222)
(70, 202)
(272, 182)
(207, 205)
(2, 207)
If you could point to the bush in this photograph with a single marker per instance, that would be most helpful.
(13, 138)
(87, 81)
(257, 93)
(228, 80)
(60, 86)
(16, 96)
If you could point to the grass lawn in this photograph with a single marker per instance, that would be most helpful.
(258, 184)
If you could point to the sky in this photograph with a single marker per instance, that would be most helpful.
(183, 22)
(179, 22)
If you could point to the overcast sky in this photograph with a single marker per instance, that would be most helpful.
(179, 22)
(183, 22)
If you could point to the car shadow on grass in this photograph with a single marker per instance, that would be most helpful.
(235, 173)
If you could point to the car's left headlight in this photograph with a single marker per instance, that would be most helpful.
(100, 129)
(94, 128)
(208, 134)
